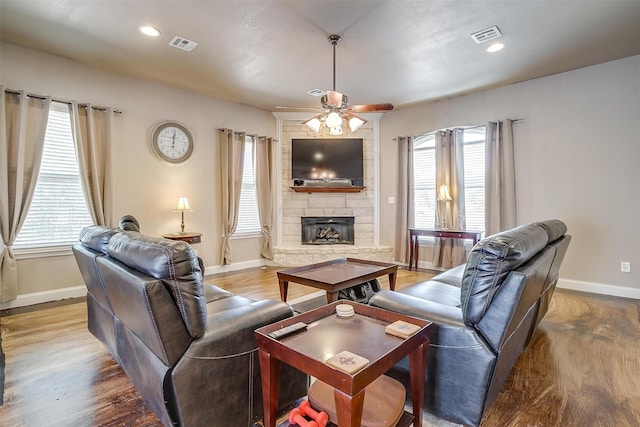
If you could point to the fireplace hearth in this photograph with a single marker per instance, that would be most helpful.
(327, 230)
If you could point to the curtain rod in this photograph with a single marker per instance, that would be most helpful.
(247, 134)
(30, 95)
(464, 128)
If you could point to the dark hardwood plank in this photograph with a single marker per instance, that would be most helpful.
(579, 370)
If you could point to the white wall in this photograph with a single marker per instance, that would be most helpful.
(144, 186)
(577, 159)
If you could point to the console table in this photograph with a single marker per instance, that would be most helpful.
(414, 233)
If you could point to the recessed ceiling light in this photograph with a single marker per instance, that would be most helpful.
(149, 31)
(495, 47)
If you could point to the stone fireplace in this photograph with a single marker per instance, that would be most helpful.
(290, 248)
(327, 230)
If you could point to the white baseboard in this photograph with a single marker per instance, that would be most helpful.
(599, 288)
(45, 296)
(235, 266)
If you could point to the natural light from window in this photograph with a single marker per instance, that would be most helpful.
(58, 209)
(424, 171)
(248, 216)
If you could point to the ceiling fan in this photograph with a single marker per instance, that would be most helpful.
(336, 107)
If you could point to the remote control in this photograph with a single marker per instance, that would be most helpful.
(288, 330)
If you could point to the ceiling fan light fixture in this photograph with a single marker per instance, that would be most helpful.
(355, 122)
(334, 120)
(313, 123)
(335, 131)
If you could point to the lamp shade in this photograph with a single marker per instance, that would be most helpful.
(313, 123)
(443, 194)
(183, 204)
(355, 122)
(334, 120)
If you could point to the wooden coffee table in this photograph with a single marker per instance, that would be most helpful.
(336, 275)
(327, 335)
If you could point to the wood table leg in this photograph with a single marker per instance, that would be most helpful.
(331, 297)
(270, 375)
(284, 288)
(416, 251)
(349, 408)
(392, 281)
(417, 369)
(410, 249)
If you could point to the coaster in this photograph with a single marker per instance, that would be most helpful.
(344, 310)
(402, 329)
(347, 362)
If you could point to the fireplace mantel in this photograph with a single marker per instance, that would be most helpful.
(345, 189)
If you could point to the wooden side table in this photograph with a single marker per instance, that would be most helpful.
(327, 335)
(187, 236)
(414, 233)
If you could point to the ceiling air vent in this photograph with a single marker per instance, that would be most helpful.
(182, 43)
(486, 35)
(317, 92)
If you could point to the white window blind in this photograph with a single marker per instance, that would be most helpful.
(248, 216)
(424, 179)
(58, 209)
(474, 178)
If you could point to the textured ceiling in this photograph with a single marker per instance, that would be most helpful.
(268, 53)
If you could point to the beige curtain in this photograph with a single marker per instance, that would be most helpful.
(500, 178)
(231, 165)
(23, 125)
(91, 130)
(404, 199)
(450, 172)
(264, 168)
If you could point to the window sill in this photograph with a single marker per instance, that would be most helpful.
(27, 253)
(248, 235)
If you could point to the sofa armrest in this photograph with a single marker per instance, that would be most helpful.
(413, 306)
(218, 378)
(230, 332)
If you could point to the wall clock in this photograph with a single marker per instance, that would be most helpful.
(171, 142)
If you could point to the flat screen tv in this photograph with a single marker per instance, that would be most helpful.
(327, 159)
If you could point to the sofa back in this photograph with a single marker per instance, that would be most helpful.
(153, 286)
(94, 240)
(489, 264)
(175, 264)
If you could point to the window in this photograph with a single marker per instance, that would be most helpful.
(424, 179)
(248, 215)
(58, 209)
(474, 178)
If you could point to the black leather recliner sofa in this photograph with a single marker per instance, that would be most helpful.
(187, 346)
(484, 314)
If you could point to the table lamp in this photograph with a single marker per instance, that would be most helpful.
(444, 196)
(183, 205)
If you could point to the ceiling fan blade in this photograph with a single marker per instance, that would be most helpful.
(335, 99)
(371, 107)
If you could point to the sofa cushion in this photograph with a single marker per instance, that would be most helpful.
(172, 262)
(97, 237)
(490, 261)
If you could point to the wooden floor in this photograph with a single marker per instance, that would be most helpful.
(581, 369)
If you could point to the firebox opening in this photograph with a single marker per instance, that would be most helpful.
(336, 230)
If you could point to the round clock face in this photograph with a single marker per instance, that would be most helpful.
(171, 142)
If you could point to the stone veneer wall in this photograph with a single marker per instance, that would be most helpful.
(360, 205)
